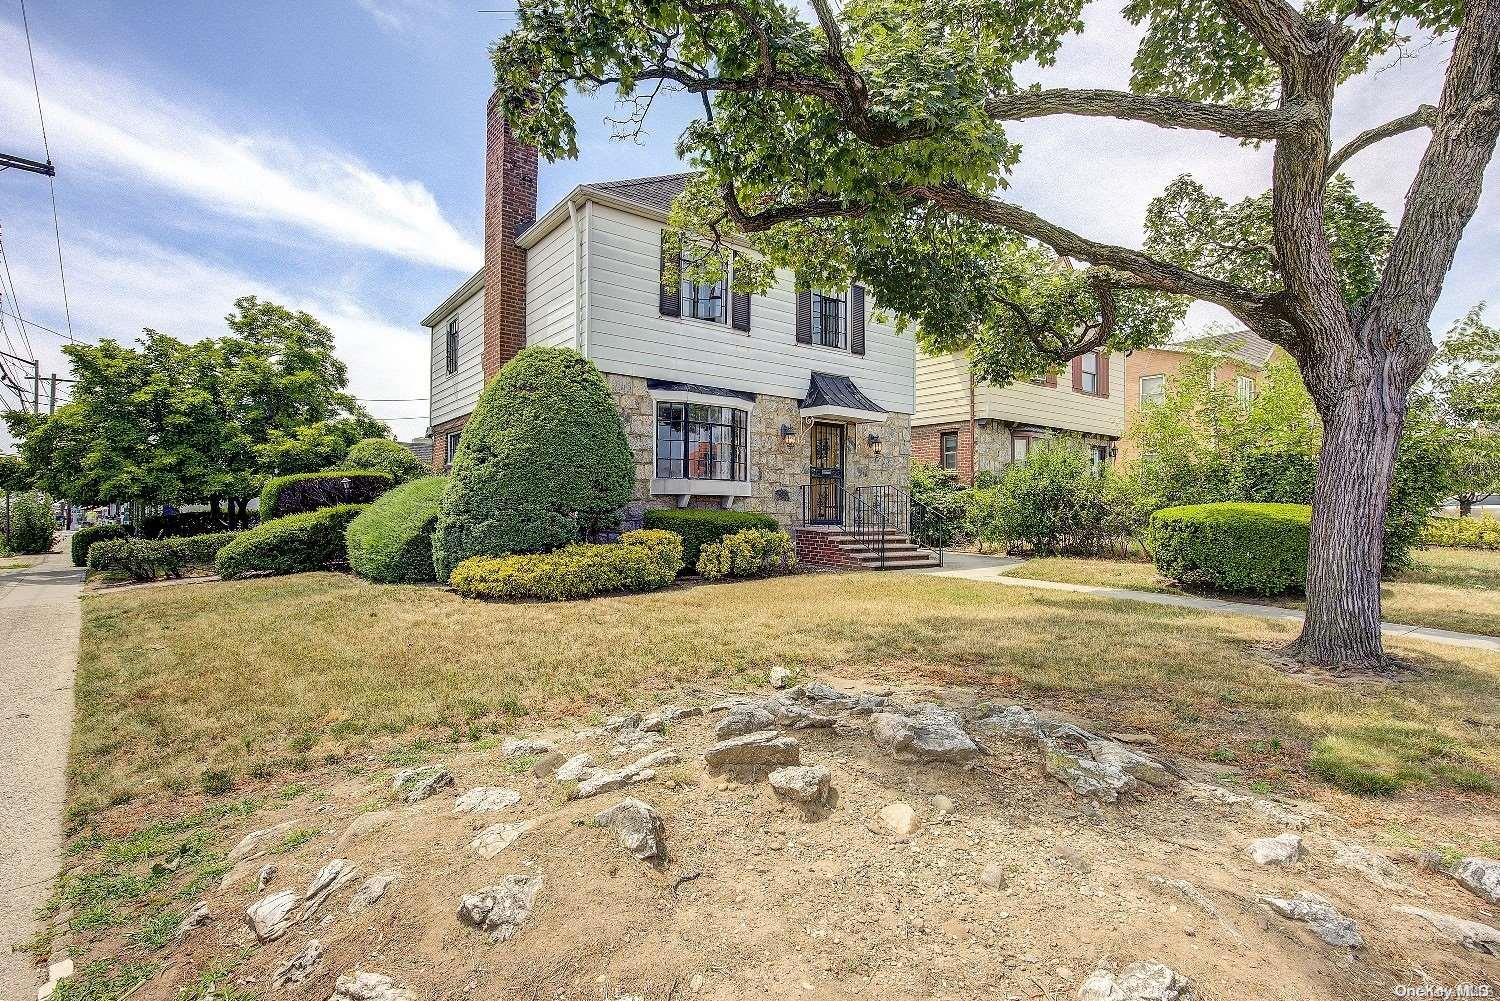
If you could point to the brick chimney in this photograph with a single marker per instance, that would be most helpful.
(510, 173)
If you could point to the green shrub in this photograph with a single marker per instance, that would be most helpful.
(635, 563)
(391, 541)
(297, 543)
(386, 456)
(750, 552)
(1474, 532)
(299, 492)
(666, 547)
(78, 545)
(939, 506)
(31, 527)
(1256, 548)
(1054, 502)
(699, 526)
(541, 462)
(152, 559)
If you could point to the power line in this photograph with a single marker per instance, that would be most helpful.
(62, 275)
(37, 326)
(14, 298)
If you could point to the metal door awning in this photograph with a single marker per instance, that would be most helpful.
(836, 396)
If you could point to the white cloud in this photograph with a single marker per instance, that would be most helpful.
(401, 16)
(105, 125)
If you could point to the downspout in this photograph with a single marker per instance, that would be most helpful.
(973, 433)
(577, 275)
(586, 256)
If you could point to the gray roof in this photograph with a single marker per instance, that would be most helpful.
(827, 390)
(653, 192)
(690, 387)
(1240, 344)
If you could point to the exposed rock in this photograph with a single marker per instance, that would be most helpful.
(271, 916)
(743, 719)
(1287, 818)
(1201, 901)
(416, 784)
(1143, 767)
(1015, 722)
(792, 715)
(486, 799)
(358, 986)
(197, 918)
(256, 842)
(780, 677)
(993, 876)
(900, 819)
(824, 698)
(497, 837)
(926, 731)
(618, 724)
(1085, 776)
(263, 879)
(1214, 794)
(809, 784)
(664, 717)
(1480, 876)
(942, 804)
(1469, 934)
(525, 747)
(576, 769)
(329, 878)
(1137, 982)
(1284, 849)
(363, 826)
(1319, 914)
(500, 909)
(1090, 765)
(627, 741)
(371, 891)
(296, 969)
(638, 827)
(642, 770)
(762, 749)
(1372, 865)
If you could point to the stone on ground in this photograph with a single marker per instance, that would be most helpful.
(744, 719)
(664, 717)
(638, 827)
(296, 969)
(826, 698)
(643, 770)
(371, 891)
(1319, 914)
(486, 799)
(809, 784)
(500, 909)
(1370, 864)
(257, 842)
(497, 837)
(197, 918)
(993, 876)
(575, 769)
(1130, 761)
(525, 747)
(1137, 982)
(899, 819)
(762, 749)
(1284, 849)
(1481, 877)
(780, 676)
(927, 732)
(1469, 934)
(358, 986)
(270, 917)
(263, 879)
(329, 878)
(1085, 776)
(416, 784)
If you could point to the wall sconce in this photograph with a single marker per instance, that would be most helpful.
(788, 436)
(874, 442)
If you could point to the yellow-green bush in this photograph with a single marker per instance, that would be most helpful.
(640, 561)
(1478, 532)
(750, 552)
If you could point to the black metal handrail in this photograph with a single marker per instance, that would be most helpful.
(901, 508)
(871, 514)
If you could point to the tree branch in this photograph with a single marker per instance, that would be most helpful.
(1423, 117)
(1166, 112)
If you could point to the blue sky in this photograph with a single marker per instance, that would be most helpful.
(329, 155)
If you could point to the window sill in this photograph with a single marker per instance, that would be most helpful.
(678, 487)
(826, 347)
(715, 324)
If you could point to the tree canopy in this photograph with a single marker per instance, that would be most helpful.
(1463, 390)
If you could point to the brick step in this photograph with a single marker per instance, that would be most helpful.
(917, 559)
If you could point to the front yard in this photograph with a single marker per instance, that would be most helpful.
(1446, 588)
(226, 685)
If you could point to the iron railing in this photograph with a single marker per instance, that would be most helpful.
(871, 515)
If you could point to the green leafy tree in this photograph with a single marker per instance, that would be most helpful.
(1463, 388)
(869, 140)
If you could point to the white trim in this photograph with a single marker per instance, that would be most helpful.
(578, 343)
(1157, 397)
(682, 487)
(848, 413)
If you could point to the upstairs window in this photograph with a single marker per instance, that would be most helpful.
(948, 455)
(1089, 373)
(452, 345)
(695, 441)
(1153, 389)
(1244, 388)
(830, 320)
(701, 302)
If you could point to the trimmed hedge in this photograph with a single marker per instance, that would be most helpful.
(1256, 548)
(386, 456)
(152, 559)
(297, 543)
(78, 545)
(299, 492)
(640, 561)
(750, 552)
(699, 526)
(542, 462)
(1471, 532)
(391, 541)
(32, 529)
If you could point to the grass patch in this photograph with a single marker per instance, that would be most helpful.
(104, 981)
(166, 673)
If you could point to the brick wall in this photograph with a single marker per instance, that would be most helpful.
(927, 447)
(816, 549)
(510, 181)
(440, 457)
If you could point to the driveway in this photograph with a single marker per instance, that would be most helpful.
(39, 617)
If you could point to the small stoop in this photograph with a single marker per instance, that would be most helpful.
(835, 548)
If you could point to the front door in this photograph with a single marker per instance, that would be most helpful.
(827, 475)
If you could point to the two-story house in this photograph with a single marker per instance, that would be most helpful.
(972, 427)
(796, 403)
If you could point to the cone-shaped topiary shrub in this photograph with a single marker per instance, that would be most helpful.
(386, 456)
(391, 540)
(542, 460)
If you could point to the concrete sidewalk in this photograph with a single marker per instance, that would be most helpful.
(991, 570)
(39, 615)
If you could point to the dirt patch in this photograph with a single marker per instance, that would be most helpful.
(754, 899)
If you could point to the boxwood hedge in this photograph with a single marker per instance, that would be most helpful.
(386, 456)
(699, 526)
(299, 492)
(640, 561)
(391, 540)
(297, 543)
(152, 559)
(1235, 546)
(750, 552)
(78, 545)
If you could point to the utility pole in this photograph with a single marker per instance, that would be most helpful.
(8, 160)
(36, 369)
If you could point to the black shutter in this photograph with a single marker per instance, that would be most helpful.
(804, 313)
(671, 301)
(857, 319)
(739, 310)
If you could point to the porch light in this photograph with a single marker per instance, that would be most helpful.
(788, 435)
(874, 442)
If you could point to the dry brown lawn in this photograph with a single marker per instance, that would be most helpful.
(220, 684)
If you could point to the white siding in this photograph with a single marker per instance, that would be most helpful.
(628, 336)
(550, 290)
(942, 387)
(453, 394)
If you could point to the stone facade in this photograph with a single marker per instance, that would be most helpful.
(777, 467)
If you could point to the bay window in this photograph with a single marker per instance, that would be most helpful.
(697, 441)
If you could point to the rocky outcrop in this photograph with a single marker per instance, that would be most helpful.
(359, 986)
(501, 909)
(413, 785)
(1092, 766)
(1481, 877)
(762, 749)
(925, 732)
(486, 799)
(270, 917)
(328, 879)
(1469, 934)
(643, 770)
(1319, 914)
(810, 785)
(299, 967)
(1284, 849)
(1137, 982)
(371, 891)
(525, 747)
(497, 837)
(638, 827)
